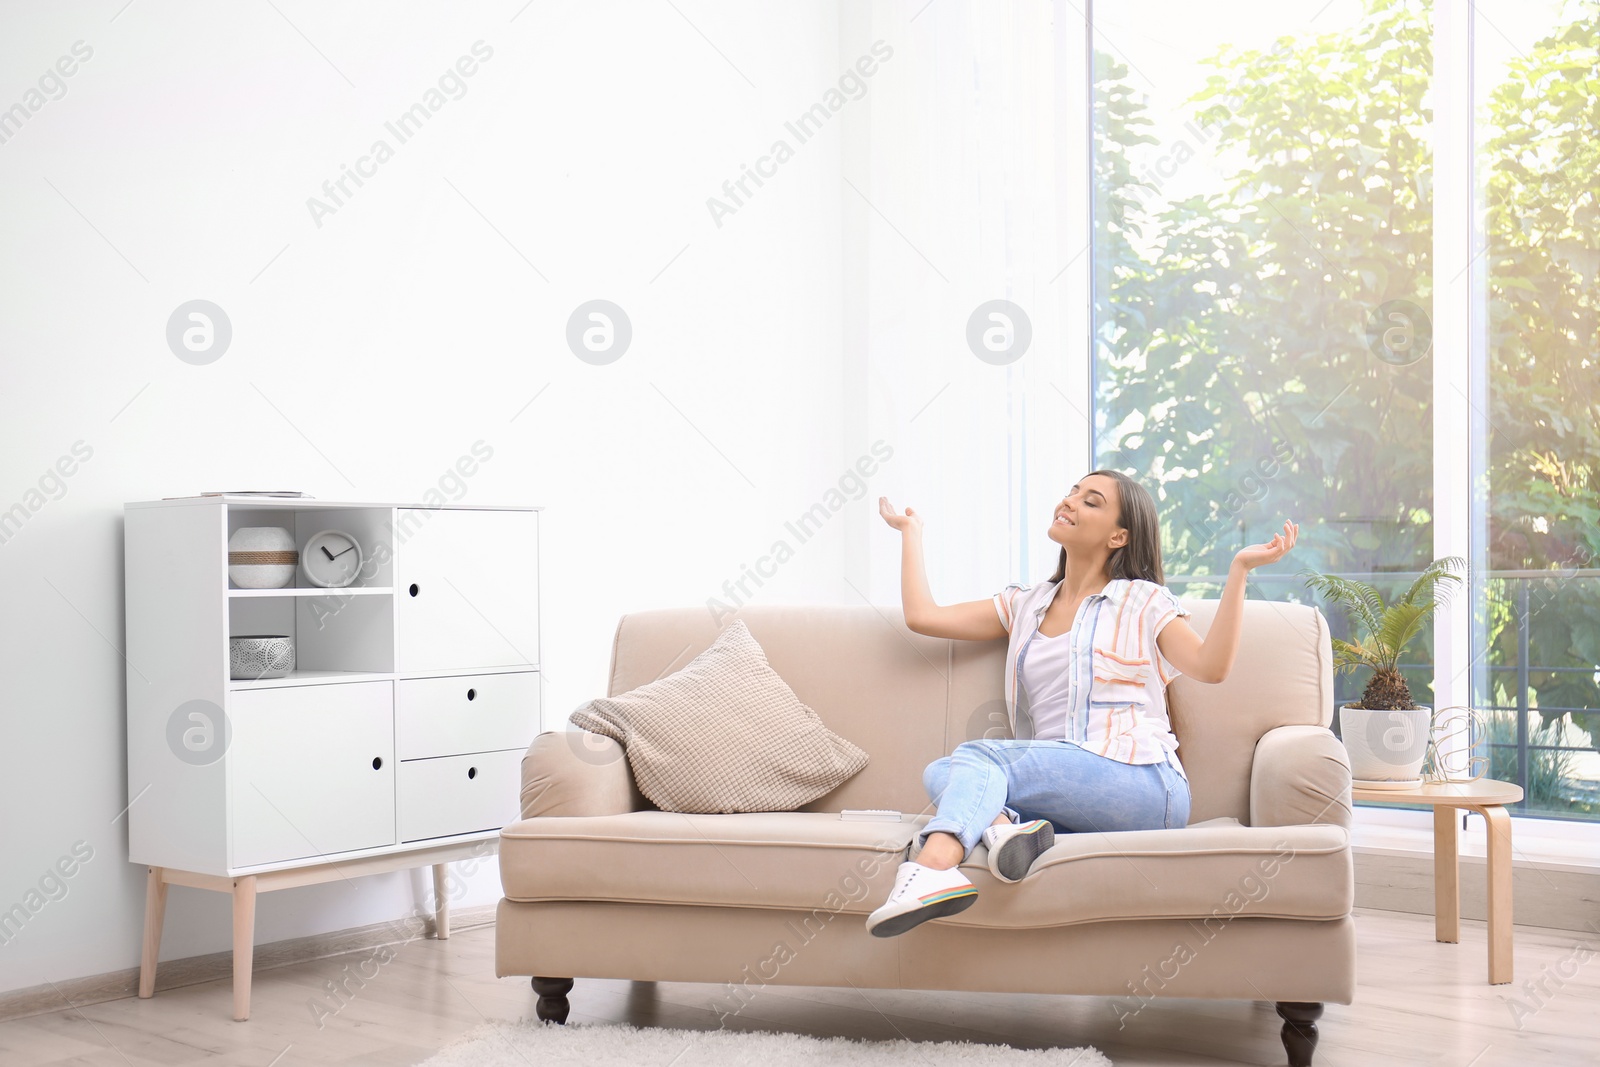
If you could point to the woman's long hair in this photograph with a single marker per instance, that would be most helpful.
(1141, 556)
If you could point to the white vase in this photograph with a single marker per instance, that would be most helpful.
(253, 656)
(1385, 746)
(262, 557)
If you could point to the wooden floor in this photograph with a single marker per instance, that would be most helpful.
(1418, 1002)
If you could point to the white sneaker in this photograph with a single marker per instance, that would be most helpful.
(919, 894)
(1014, 846)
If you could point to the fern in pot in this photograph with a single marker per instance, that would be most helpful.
(1385, 732)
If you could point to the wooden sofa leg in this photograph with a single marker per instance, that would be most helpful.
(1299, 1031)
(553, 1006)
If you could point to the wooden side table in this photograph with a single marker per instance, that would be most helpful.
(1488, 798)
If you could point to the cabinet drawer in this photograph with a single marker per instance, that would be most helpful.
(465, 713)
(458, 794)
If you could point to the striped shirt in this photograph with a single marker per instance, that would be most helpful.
(1112, 701)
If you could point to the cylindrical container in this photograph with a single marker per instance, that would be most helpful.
(262, 557)
(252, 656)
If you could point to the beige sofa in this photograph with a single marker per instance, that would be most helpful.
(1250, 901)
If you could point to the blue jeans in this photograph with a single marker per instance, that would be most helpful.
(1057, 780)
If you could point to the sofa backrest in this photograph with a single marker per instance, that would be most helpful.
(908, 699)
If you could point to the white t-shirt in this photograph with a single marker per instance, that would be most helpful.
(1047, 676)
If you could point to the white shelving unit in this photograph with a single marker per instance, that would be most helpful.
(397, 740)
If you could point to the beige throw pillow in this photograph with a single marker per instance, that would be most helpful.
(724, 734)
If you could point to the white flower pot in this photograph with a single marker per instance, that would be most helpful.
(1386, 747)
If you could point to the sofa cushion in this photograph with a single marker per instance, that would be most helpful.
(789, 859)
(1209, 872)
(724, 734)
(806, 861)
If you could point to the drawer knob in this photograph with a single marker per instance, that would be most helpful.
(413, 589)
(377, 763)
(472, 694)
(472, 772)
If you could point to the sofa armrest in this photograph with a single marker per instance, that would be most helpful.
(1300, 775)
(573, 772)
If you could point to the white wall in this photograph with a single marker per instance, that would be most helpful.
(371, 351)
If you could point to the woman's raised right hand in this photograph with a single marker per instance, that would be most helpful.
(910, 521)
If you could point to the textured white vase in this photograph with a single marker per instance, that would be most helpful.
(253, 656)
(1385, 746)
(262, 557)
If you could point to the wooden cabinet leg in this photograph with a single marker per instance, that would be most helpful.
(1446, 875)
(244, 943)
(155, 912)
(441, 902)
(1497, 822)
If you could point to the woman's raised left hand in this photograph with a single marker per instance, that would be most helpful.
(1253, 556)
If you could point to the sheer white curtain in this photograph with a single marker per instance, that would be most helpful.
(964, 182)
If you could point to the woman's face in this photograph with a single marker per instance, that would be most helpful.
(1087, 516)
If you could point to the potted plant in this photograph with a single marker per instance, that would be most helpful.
(1385, 732)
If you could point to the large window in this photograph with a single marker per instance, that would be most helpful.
(1263, 311)
(1537, 633)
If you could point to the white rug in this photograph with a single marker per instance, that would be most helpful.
(608, 1044)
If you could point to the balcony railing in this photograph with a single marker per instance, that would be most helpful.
(1581, 788)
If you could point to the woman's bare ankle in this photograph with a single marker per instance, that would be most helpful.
(942, 851)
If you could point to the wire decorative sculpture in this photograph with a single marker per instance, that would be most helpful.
(1447, 764)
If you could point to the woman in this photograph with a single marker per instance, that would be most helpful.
(1091, 653)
